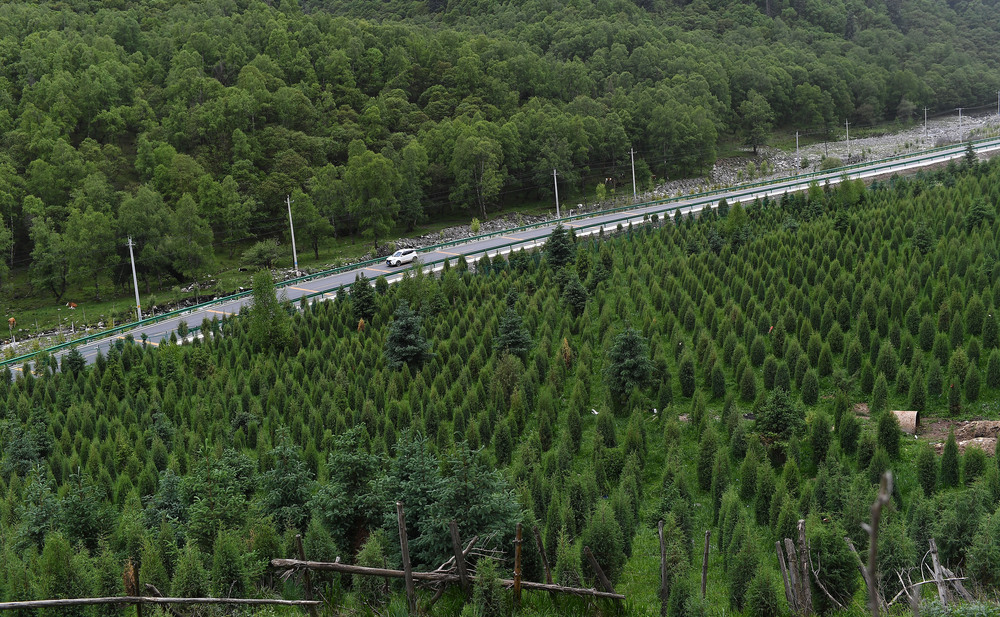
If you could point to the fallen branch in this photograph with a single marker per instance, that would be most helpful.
(433, 577)
(6, 606)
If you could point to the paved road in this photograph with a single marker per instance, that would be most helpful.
(326, 286)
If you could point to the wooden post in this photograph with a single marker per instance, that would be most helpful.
(597, 569)
(306, 576)
(664, 583)
(517, 569)
(806, 596)
(704, 565)
(411, 593)
(938, 577)
(456, 546)
(884, 494)
(861, 566)
(793, 573)
(541, 551)
(789, 595)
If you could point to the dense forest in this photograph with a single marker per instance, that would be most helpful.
(701, 370)
(185, 125)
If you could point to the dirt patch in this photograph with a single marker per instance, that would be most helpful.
(976, 429)
(986, 444)
(964, 430)
(861, 409)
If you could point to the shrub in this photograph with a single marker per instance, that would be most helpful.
(993, 370)
(849, 431)
(762, 597)
(889, 434)
(741, 573)
(604, 537)
(820, 437)
(373, 589)
(810, 388)
(972, 384)
(973, 465)
(748, 385)
(880, 396)
(949, 462)
(927, 469)
(706, 459)
(839, 573)
(779, 415)
(475, 226)
(488, 594)
(984, 552)
(686, 375)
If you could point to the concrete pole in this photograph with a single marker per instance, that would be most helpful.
(135, 281)
(634, 194)
(848, 125)
(295, 255)
(555, 182)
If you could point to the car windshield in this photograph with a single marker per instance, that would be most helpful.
(397, 253)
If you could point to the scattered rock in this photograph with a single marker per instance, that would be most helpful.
(977, 429)
(986, 444)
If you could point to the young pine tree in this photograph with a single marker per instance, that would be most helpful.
(889, 434)
(405, 344)
(927, 470)
(949, 463)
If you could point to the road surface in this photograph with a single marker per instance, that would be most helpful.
(325, 286)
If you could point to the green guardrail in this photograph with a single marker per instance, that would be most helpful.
(692, 200)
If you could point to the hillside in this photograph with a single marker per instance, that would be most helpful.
(185, 126)
(699, 371)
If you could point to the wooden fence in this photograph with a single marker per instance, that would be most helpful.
(455, 571)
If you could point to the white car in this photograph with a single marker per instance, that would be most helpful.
(402, 256)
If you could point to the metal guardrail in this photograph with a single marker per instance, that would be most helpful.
(699, 199)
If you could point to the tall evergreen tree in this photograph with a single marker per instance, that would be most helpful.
(362, 298)
(405, 344)
(559, 247)
(629, 366)
(511, 336)
(949, 462)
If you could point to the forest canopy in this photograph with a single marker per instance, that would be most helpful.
(186, 125)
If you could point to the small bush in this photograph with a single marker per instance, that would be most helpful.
(830, 162)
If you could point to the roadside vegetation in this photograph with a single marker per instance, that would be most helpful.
(700, 371)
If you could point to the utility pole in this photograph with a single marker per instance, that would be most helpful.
(632, 153)
(135, 280)
(798, 159)
(960, 125)
(295, 255)
(848, 125)
(556, 183)
(925, 122)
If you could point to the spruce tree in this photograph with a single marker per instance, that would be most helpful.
(405, 344)
(362, 298)
(575, 296)
(559, 247)
(629, 367)
(511, 335)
